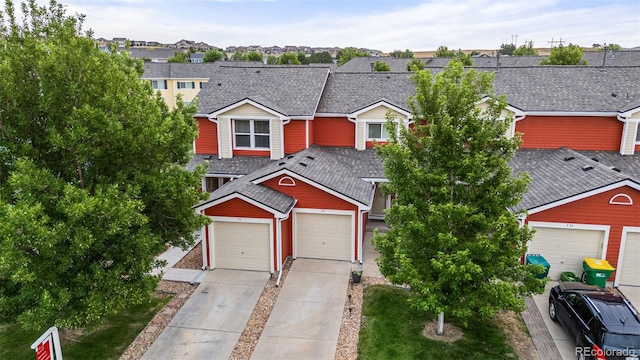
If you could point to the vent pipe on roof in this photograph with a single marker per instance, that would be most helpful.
(569, 158)
(497, 61)
(587, 167)
(372, 65)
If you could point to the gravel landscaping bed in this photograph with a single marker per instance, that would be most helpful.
(347, 348)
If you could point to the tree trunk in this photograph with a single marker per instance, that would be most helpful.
(440, 324)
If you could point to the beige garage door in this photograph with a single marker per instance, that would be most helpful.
(242, 245)
(629, 270)
(565, 249)
(324, 236)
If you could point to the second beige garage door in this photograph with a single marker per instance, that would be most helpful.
(241, 245)
(629, 269)
(324, 236)
(565, 249)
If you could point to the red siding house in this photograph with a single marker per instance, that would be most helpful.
(291, 168)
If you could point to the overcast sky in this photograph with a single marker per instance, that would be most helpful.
(376, 24)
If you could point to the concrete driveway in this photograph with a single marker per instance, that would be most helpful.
(306, 318)
(210, 323)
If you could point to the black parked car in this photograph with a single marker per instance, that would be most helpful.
(602, 324)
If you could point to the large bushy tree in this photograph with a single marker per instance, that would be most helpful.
(93, 181)
(565, 55)
(212, 55)
(525, 50)
(349, 53)
(451, 235)
(179, 57)
(320, 58)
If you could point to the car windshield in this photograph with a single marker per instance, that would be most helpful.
(622, 341)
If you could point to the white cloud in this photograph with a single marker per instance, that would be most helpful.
(409, 24)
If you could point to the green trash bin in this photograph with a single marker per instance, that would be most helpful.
(537, 259)
(597, 271)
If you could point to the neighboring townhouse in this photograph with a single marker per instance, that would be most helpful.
(178, 79)
(293, 147)
(181, 79)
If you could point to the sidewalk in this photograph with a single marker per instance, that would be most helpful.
(172, 256)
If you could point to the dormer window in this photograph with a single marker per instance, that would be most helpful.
(251, 134)
(377, 131)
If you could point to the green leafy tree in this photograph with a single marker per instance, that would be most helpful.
(451, 236)
(179, 57)
(415, 64)
(507, 49)
(407, 54)
(349, 53)
(289, 58)
(525, 50)
(565, 55)
(239, 56)
(320, 58)
(381, 66)
(254, 56)
(444, 52)
(302, 58)
(93, 181)
(212, 56)
(610, 47)
(465, 59)
(272, 60)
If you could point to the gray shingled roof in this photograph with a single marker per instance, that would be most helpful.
(569, 88)
(628, 164)
(540, 88)
(555, 178)
(236, 166)
(190, 70)
(594, 59)
(363, 163)
(363, 64)
(324, 166)
(291, 90)
(346, 93)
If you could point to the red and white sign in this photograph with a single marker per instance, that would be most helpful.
(47, 346)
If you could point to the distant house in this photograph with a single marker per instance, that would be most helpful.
(122, 42)
(196, 58)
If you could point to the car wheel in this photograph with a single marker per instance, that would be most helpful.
(552, 310)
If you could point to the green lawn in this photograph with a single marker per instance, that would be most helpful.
(393, 330)
(108, 341)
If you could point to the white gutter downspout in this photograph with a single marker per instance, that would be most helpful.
(204, 241)
(279, 245)
(623, 143)
(360, 237)
(279, 249)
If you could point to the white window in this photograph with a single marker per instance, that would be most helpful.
(377, 131)
(159, 84)
(186, 84)
(251, 134)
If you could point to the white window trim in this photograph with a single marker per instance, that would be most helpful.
(382, 129)
(251, 133)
